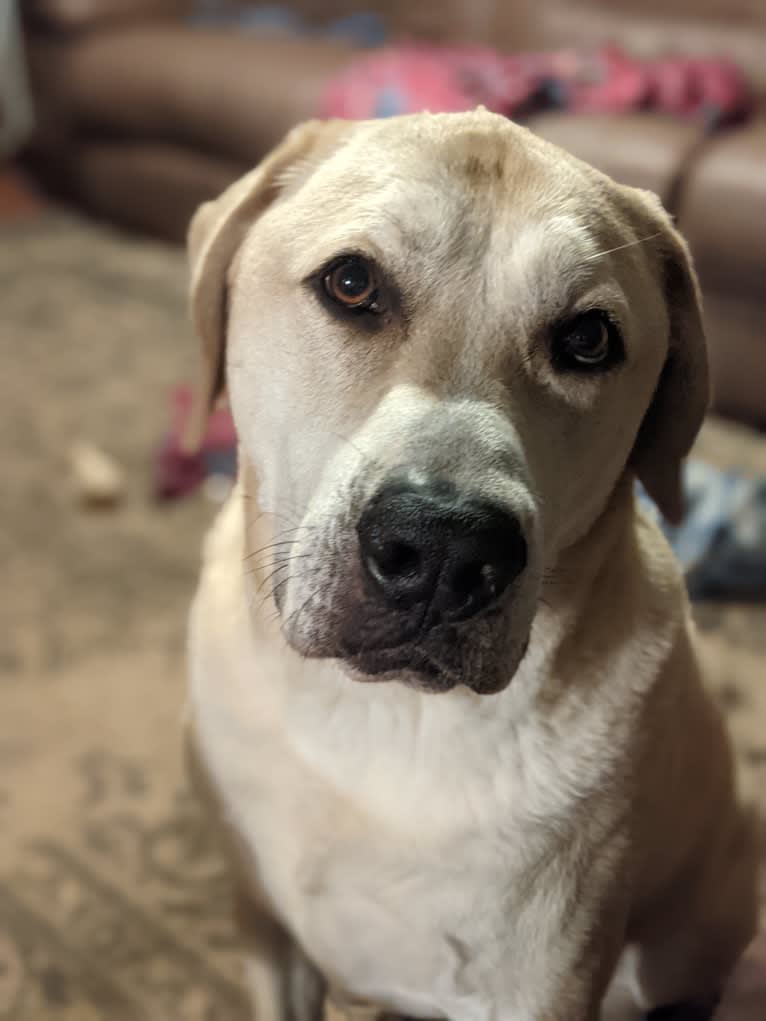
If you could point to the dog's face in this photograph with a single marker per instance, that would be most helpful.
(445, 340)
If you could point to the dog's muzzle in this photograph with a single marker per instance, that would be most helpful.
(429, 588)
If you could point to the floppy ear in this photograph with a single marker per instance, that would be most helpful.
(681, 398)
(216, 232)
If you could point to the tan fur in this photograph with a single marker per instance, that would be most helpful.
(570, 847)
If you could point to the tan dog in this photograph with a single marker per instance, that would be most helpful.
(449, 347)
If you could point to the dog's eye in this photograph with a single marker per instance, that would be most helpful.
(351, 284)
(590, 342)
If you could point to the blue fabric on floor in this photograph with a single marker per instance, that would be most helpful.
(722, 540)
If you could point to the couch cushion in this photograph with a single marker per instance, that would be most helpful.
(737, 351)
(642, 149)
(234, 95)
(723, 210)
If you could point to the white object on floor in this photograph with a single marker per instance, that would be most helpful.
(98, 479)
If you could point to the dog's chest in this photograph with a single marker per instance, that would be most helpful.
(385, 840)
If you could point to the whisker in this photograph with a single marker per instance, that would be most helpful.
(279, 585)
(527, 358)
(270, 575)
(278, 515)
(619, 248)
(271, 595)
(294, 617)
(284, 581)
(279, 567)
(254, 521)
(277, 539)
(269, 546)
(274, 566)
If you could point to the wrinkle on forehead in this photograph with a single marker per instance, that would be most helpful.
(541, 264)
(399, 220)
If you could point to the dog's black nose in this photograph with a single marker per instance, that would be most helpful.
(427, 544)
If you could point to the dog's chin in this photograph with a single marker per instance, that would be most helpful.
(402, 665)
(416, 668)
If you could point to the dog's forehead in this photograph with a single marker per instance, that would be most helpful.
(470, 161)
(455, 191)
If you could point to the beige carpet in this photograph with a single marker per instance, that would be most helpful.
(113, 904)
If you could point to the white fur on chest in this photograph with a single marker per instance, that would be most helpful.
(381, 837)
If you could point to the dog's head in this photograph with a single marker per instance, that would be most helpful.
(444, 341)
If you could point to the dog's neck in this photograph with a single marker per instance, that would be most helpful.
(580, 565)
(593, 595)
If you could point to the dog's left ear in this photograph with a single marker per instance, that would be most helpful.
(216, 232)
(681, 398)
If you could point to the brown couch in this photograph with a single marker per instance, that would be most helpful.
(142, 117)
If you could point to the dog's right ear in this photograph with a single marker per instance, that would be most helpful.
(216, 233)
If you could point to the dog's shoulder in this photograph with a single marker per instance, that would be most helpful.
(219, 628)
(224, 542)
(659, 564)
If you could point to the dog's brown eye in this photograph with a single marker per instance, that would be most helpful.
(589, 342)
(351, 283)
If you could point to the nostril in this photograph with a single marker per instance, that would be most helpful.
(477, 577)
(394, 559)
(470, 578)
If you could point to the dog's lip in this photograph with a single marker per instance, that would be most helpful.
(413, 661)
(418, 673)
(399, 657)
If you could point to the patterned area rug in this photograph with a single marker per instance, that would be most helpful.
(113, 902)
